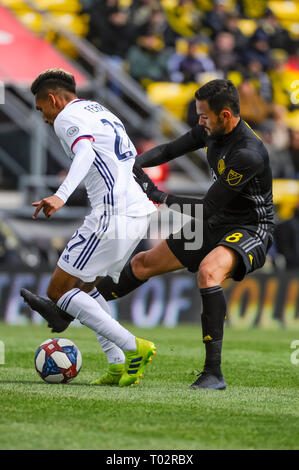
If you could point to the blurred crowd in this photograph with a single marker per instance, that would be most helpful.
(188, 42)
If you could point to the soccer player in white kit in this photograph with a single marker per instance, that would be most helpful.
(102, 157)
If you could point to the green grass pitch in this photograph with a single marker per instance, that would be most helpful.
(258, 410)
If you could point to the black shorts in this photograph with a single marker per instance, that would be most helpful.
(244, 240)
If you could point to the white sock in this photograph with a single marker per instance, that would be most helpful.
(114, 354)
(80, 305)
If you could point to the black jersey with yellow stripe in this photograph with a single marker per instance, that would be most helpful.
(240, 162)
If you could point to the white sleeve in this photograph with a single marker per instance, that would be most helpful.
(83, 159)
(72, 129)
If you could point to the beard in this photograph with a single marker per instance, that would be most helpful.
(219, 131)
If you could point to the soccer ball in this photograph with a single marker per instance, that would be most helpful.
(58, 360)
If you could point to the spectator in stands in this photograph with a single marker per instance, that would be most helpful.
(294, 150)
(183, 16)
(147, 16)
(110, 30)
(258, 50)
(223, 52)
(260, 79)
(148, 59)
(214, 19)
(286, 237)
(231, 25)
(293, 61)
(280, 159)
(278, 36)
(280, 78)
(254, 109)
(140, 11)
(281, 133)
(186, 68)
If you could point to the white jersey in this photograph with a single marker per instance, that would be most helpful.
(110, 183)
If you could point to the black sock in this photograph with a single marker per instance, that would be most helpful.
(127, 283)
(212, 320)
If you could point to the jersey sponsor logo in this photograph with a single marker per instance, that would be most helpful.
(221, 166)
(233, 178)
(72, 131)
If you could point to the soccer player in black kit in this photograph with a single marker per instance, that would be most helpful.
(237, 225)
(237, 215)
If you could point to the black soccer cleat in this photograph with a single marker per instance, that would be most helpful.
(56, 318)
(208, 380)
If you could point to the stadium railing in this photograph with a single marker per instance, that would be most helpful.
(129, 101)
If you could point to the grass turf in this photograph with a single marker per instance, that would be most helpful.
(258, 410)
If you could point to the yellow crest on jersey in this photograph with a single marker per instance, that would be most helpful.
(233, 178)
(221, 166)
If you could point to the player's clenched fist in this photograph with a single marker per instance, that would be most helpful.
(50, 205)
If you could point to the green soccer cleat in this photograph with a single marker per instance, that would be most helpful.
(112, 375)
(136, 362)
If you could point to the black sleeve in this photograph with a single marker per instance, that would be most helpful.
(242, 166)
(192, 140)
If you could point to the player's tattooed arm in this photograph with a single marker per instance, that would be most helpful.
(164, 153)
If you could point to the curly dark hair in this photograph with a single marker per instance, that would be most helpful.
(53, 79)
(220, 93)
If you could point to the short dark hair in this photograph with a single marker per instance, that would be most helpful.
(53, 79)
(220, 93)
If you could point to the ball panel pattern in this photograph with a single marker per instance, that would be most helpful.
(58, 360)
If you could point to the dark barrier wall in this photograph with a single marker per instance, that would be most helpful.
(263, 300)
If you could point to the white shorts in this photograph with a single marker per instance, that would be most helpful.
(102, 246)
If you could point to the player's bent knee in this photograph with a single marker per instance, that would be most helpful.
(139, 265)
(208, 277)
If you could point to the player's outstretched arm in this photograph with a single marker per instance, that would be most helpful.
(217, 197)
(192, 140)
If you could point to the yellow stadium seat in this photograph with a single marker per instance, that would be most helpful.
(74, 23)
(292, 27)
(282, 83)
(173, 96)
(125, 3)
(204, 5)
(183, 18)
(285, 196)
(285, 10)
(14, 4)
(247, 27)
(31, 20)
(254, 8)
(71, 6)
(235, 77)
(292, 118)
